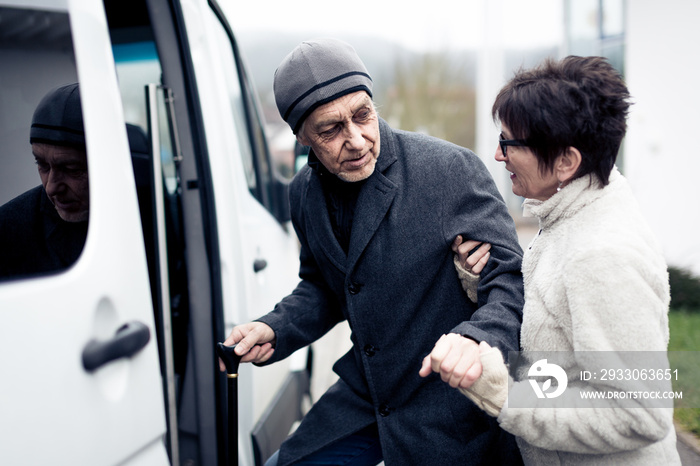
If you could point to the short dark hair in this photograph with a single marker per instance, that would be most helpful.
(579, 102)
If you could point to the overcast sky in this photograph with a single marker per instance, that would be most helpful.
(420, 25)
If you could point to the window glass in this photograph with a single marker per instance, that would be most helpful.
(249, 123)
(613, 17)
(138, 65)
(583, 26)
(597, 27)
(238, 107)
(261, 152)
(44, 196)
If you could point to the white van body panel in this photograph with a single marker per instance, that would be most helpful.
(54, 411)
(51, 405)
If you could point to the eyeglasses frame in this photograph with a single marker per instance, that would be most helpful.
(504, 143)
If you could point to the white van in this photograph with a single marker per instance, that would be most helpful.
(111, 359)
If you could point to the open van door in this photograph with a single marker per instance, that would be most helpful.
(110, 321)
(81, 377)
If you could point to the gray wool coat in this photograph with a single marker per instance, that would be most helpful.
(398, 289)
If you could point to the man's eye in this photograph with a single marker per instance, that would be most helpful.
(329, 132)
(75, 170)
(363, 115)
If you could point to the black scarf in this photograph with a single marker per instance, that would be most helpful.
(341, 198)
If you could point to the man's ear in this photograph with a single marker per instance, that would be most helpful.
(302, 139)
(567, 164)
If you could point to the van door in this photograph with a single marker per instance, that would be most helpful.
(270, 253)
(81, 376)
(227, 259)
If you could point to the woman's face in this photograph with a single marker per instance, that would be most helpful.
(528, 181)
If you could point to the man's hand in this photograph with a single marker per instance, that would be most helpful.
(254, 342)
(456, 359)
(475, 262)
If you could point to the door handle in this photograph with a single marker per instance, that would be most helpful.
(128, 340)
(259, 264)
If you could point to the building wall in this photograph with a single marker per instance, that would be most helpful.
(662, 147)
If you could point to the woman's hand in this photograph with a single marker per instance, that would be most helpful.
(490, 390)
(476, 261)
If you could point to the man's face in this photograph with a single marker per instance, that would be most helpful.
(63, 172)
(344, 135)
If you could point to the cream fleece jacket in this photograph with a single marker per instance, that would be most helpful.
(490, 390)
(595, 280)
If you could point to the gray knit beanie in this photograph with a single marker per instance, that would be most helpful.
(58, 119)
(314, 73)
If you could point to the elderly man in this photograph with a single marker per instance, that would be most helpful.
(375, 228)
(44, 229)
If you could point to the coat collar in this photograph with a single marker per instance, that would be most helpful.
(571, 199)
(373, 203)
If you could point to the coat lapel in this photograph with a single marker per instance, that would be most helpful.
(372, 205)
(375, 198)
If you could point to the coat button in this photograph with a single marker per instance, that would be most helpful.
(370, 350)
(354, 288)
(384, 410)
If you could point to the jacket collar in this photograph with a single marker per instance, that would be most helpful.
(571, 199)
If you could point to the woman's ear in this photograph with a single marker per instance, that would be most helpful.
(567, 164)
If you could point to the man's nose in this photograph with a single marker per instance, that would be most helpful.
(354, 138)
(54, 182)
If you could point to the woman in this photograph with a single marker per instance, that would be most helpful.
(595, 278)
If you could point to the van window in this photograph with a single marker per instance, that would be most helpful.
(44, 195)
(238, 109)
(246, 116)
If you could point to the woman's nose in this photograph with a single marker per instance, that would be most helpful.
(500, 156)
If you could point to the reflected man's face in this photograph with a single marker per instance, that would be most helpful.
(63, 172)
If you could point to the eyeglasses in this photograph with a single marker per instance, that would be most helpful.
(510, 142)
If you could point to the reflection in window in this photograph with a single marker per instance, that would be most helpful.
(235, 98)
(613, 23)
(597, 27)
(44, 195)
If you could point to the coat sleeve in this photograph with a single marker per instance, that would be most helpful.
(617, 304)
(312, 309)
(473, 208)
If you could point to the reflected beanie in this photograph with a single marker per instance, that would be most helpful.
(58, 119)
(314, 73)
